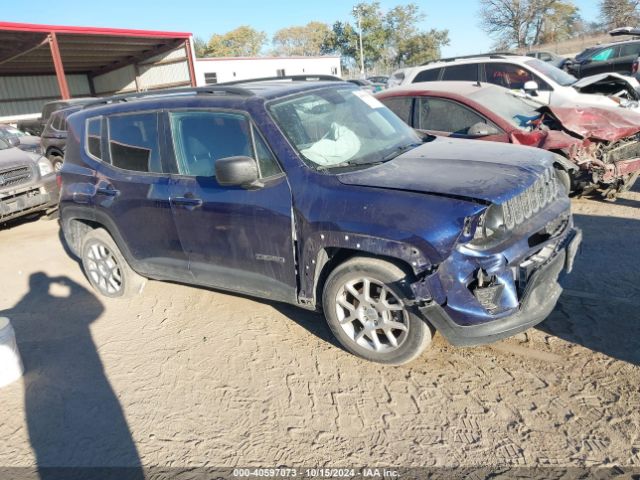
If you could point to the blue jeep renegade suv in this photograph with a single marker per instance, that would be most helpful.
(315, 194)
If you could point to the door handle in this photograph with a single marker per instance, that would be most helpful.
(107, 191)
(187, 202)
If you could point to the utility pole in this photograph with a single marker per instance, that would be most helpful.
(356, 10)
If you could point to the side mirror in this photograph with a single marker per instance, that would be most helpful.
(531, 87)
(13, 141)
(481, 129)
(237, 171)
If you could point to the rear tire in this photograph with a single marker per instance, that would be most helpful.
(106, 268)
(365, 305)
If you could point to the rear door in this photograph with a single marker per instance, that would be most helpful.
(131, 194)
(236, 239)
(628, 53)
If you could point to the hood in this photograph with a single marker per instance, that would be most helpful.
(597, 123)
(605, 77)
(614, 86)
(10, 157)
(485, 172)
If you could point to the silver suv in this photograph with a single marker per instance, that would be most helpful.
(548, 84)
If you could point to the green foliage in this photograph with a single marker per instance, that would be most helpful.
(244, 41)
(392, 39)
(301, 40)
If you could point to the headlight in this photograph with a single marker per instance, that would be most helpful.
(490, 225)
(45, 167)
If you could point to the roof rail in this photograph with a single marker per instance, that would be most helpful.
(303, 78)
(208, 90)
(477, 55)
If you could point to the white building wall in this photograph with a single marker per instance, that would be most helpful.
(231, 69)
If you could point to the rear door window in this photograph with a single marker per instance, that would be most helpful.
(630, 50)
(133, 142)
(461, 72)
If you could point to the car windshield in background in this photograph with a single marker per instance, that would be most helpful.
(344, 127)
(8, 132)
(518, 111)
(3, 145)
(559, 76)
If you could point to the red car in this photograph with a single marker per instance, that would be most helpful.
(604, 144)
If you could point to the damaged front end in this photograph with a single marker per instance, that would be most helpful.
(504, 280)
(608, 155)
(619, 88)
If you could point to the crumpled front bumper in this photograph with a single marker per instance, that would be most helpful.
(527, 281)
(33, 198)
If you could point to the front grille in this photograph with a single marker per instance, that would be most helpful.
(625, 151)
(532, 200)
(13, 177)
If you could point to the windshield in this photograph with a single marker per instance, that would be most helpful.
(518, 111)
(7, 132)
(341, 127)
(559, 76)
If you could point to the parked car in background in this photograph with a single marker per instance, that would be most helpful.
(607, 58)
(366, 85)
(379, 79)
(28, 143)
(549, 84)
(315, 194)
(35, 127)
(27, 183)
(603, 145)
(549, 57)
(54, 136)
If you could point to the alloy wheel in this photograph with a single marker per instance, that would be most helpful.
(103, 269)
(372, 315)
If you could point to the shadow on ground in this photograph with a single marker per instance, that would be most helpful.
(600, 308)
(73, 415)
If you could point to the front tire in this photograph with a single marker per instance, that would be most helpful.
(106, 269)
(365, 302)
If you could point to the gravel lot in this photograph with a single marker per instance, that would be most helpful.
(182, 376)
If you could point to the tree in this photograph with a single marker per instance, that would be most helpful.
(389, 39)
(244, 41)
(301, 40)
(523, 23)
(200, 47)
(620, 13)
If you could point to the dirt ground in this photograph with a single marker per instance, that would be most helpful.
(186, 377)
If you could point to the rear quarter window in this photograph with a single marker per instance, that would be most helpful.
(430, 75)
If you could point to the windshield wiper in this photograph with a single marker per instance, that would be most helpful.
(400, 150)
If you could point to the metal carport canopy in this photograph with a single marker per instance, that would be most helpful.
(27, 49)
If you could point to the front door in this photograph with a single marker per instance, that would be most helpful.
(236, 238)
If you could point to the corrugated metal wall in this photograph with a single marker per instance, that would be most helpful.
(25, 95)
(169, 69)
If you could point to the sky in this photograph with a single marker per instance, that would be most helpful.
(203, 18)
